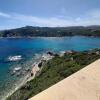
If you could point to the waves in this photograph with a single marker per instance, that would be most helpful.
(14, 58)
(17, 73)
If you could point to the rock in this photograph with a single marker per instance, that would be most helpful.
(56, 55)
(40, 64)
(71, 52)
(32, 74)
(18, 74)
(97, 52)
(72, 59)
(50, 53)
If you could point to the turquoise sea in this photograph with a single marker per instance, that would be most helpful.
(29, 49)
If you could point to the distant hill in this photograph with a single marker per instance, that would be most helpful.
(30, 31)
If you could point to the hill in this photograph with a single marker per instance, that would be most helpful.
(54, 71)
(83, 85)
(30, 31)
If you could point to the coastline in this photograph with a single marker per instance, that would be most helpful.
(92, 36)
(52, 74)
(18, 86)
(34, 70)
(52, 46)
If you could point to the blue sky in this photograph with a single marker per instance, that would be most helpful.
(18, 13)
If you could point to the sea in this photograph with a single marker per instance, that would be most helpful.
(21, 53)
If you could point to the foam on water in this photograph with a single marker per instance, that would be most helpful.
(15, 81)
(14, 58)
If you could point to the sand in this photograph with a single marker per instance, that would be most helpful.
(83, 85)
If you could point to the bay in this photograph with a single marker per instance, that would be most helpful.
(30, 49)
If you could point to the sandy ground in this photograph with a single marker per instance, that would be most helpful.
(83, 85)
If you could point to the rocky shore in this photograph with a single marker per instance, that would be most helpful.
(52, 68)
(30, 73)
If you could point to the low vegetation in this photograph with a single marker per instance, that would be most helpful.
(54, 71)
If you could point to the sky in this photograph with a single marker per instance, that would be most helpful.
(49, 13)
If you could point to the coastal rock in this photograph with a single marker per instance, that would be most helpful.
(50, 53)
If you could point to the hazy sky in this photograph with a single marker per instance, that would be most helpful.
(17, 13)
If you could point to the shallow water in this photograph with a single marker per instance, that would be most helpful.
(29, 48)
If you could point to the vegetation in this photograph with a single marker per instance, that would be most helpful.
(55, 70)
(30, 31)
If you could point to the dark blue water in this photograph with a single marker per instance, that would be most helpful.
(28, 47)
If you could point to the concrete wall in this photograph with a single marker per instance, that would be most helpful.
(83, 85)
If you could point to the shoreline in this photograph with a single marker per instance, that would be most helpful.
(70, 62)
(92, 36)
(34, 70)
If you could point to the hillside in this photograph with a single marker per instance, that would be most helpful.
(83, 85)
(30, 31)
(54, 71)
